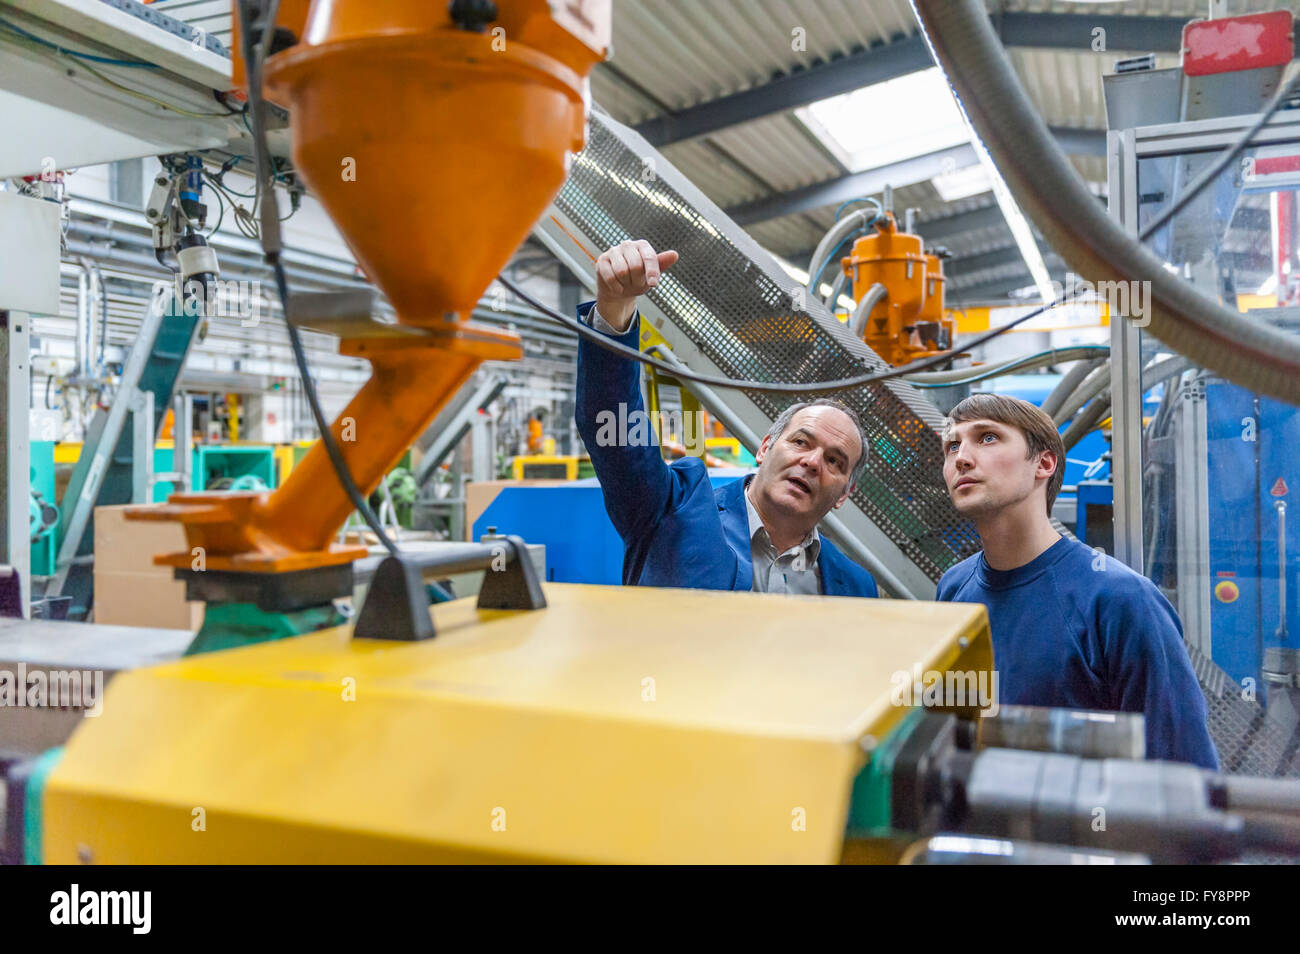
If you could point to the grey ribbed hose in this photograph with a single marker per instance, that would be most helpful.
(858, 320)
(1093, 385)
(1152, 374)
(1068, 383)
(1009, 366)
(837, 287)
(1083, 425)
(1248, 353)
(852, 222)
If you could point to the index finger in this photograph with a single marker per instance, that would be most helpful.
(651, 260)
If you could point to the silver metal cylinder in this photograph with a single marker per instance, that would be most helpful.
(1093, 735)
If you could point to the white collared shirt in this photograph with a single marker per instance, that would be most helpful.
(794, 571)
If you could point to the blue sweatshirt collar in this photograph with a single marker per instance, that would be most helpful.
(1006, 579)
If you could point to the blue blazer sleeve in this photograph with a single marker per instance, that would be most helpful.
(637, 485)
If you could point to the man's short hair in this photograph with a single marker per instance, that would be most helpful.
(781, 423)
(1039, 430)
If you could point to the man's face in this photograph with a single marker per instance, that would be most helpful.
(987, 467)
(805, 472)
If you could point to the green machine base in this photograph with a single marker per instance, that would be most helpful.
(232, 625)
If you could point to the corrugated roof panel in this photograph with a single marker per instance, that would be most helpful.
(621, 100)
(781, 150)
(1014, 274)
(720, 180)
(792, 237)
(688, 52)
(1066, 86)
(975, 241)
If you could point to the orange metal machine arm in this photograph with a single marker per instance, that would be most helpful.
(435, 135)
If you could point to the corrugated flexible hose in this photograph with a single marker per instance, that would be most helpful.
(1248, 353)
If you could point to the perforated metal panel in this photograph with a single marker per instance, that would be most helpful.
(727, 307)
(1250, 742)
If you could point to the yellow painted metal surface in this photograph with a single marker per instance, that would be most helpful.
(67, 452)
(283, 461)
(616, 725)
(976, 319)
(528, 466)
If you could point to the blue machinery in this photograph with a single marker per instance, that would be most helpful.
(1203, 486)
(1204, 471)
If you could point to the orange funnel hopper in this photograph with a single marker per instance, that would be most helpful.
(433, 148)
(434, 145)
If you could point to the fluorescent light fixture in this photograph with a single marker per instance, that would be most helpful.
(1269, 286)
(962, 184)
(888, 122)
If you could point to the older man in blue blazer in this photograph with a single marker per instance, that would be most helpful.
(757, 534)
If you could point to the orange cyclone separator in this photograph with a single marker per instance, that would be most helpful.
(914, 278)
(434, 149)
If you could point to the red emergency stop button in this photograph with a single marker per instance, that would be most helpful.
(1226, 591)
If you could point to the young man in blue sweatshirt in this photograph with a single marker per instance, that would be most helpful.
(1071, 627)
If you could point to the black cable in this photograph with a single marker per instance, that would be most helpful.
(839, 384)
(1215, 168)
(845, 384)
(254, 55)
(340, 465)
(221, 214)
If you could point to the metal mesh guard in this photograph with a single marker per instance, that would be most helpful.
(733, 301)
(752, 321)
(1249, 740)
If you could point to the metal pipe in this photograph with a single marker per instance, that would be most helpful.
(97, 331)
(1094, 735)
(858, 321)
(1248, 793)
(307, 273)
(517, 313)
(1280, 507)
(131, 217)
(79, 352)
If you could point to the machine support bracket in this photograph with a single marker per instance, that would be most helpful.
(397, 604)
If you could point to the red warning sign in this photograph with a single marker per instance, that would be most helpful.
(1279, 488)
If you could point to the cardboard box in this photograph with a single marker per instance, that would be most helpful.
(129, 589)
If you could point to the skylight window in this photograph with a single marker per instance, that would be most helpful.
(887, 122)
(962, 183)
